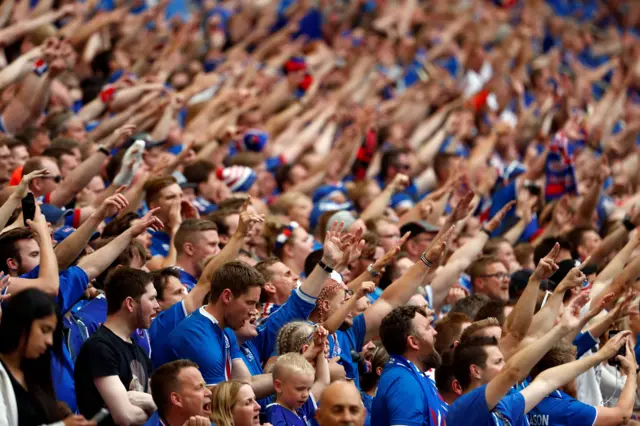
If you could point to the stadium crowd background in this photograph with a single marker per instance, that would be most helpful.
(332, 212)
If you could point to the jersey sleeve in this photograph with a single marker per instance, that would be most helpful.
(235, 349)
(298, 307)
(580, 413)
(73, 283)
(584, 342)
(511, 406)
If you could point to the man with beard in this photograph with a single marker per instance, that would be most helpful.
(112, 371)
(406, 396)
(340, 405)
(348, 341)
(195, 241)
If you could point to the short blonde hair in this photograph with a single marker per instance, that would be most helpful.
(291, 363)
(224, 397)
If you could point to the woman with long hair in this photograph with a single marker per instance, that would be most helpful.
(30, 329)
(234, 404)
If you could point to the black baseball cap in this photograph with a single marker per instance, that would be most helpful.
(419, 227)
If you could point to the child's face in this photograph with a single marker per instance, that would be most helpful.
(295, 390)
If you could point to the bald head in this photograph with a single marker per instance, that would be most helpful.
(341, 405)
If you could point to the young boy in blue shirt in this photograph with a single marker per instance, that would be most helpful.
(298, 386)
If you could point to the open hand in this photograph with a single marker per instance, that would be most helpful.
(462, 209)
(197, 421)
(23, 186)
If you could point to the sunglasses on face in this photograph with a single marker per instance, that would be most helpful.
(56, 179)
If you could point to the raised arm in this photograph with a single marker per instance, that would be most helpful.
(553, 378)
(248, 218)
(519, 366)
(381, 202)
(401, 290)
(519, 321)
(69, 249)
(98, 261)
(6, 210)
(48, 279)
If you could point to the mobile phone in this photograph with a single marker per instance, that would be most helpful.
(622, 351)
(28, 208)
(100, 415)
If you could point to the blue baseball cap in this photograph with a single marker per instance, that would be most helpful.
(61, 234)
(53, 214)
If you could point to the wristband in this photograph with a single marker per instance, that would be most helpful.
(373, 273)
(40, 67)
(486, 231)
(103, 149)
(108, 94)
(426, 261)
(325, 267)
(628, 224)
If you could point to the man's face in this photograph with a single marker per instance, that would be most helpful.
(195, 397)
(214, 190)
(297, 174)
(493, 367)
(401, 165)
(174, 292)
(68, 163)
(20, 156)
(283, 279)
(420, 242)
(28, 255)
(232, 222)
(389, 235)
(148, 307)
(48, 184)
(495, 282)
(341, 407)
(6, 161)
(239, 309)
(166, 197)
(425, 335)
(590, 241)
(340, 298)
(207, 244)
(39, 144)
(300, 213)
(75, 130)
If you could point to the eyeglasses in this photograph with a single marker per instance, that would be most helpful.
(56, 179)
(499, 275)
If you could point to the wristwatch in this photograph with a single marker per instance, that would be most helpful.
(372, 272)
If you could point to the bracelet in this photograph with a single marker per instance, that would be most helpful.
(426, 261)
(325, 267)
(103, 149)
(40, 67)
(486, 231)
(373, 273)
(628, 224)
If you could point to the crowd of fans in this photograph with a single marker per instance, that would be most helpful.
(331, 212)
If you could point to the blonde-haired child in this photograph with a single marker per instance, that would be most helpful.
(298, 385)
